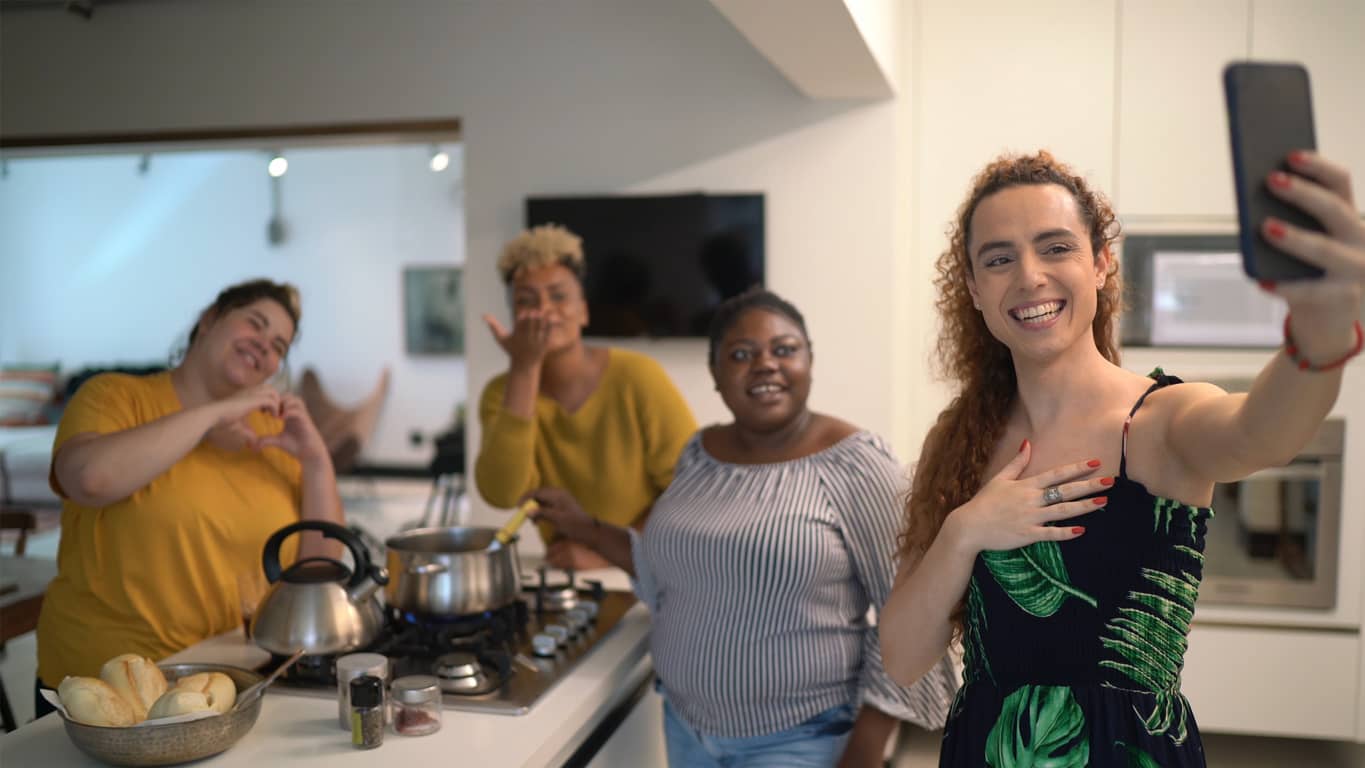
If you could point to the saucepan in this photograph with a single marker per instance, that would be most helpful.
(448, 572)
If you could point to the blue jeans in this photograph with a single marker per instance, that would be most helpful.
(817, 743)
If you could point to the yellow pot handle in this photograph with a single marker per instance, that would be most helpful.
(505, 533)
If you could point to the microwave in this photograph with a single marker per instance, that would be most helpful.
(1272, 540)
(1190, 291)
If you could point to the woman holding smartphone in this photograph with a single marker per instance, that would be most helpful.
(1057, 515)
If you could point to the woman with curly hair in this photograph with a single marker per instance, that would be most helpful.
(1057, 516)
(604, 424)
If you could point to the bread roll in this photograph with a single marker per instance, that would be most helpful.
(178, 701)
(136, 679)
(219, 688)
(93, 702)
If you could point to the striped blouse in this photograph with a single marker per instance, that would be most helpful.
(760, 578)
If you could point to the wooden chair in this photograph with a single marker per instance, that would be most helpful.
(23, 521)
(20, 520)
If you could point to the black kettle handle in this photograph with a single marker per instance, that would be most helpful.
(270, 558)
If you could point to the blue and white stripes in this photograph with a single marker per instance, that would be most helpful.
(760, 578)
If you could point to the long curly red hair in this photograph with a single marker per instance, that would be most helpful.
(952, 465)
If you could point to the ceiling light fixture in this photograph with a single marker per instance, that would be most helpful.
(439, 159)
(278, 165)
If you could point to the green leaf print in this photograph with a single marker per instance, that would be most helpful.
(1150, 638)
(1136, 757)
(1034, 577)
(974, 659)
(1040, 726)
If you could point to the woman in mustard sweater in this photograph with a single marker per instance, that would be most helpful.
(171, 484)
(605, 424)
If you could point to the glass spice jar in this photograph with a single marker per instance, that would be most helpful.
(367, 712)
(348, 668)
(416, 702)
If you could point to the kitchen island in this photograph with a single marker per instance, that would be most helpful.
(567, 726)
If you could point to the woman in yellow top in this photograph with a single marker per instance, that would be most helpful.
(605, 424)
(172, 482)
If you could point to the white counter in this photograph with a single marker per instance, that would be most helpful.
(301, 730)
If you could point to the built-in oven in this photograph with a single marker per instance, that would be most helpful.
(1273, 538)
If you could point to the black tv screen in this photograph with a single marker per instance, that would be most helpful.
(658, 265)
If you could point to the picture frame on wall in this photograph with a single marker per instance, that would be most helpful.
(433, 310)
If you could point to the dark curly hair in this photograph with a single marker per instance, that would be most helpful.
(951, 467)
(757, 297)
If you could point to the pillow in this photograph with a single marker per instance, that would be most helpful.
(25, 392)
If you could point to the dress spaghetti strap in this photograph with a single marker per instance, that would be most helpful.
(1161, 380)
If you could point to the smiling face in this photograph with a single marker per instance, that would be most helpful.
(554, 292)
(1034, 274)
(763, 370)
(247, 344)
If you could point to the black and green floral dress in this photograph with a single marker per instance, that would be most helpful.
(1073, 649)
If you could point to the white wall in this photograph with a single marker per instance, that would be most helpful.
(585, 96)
(104, 265)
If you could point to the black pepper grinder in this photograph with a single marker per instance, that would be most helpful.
(367, 712)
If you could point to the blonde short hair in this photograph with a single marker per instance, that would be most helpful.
(542, 246)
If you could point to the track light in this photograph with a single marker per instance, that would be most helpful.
(278, 166)
(439, 159)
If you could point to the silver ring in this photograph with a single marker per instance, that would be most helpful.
(1051, 495)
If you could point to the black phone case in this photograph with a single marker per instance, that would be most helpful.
(1270, 114)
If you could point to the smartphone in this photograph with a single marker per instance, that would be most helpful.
(1270, 114)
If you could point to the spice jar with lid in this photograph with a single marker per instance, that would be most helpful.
(348, 668)
(367, 712)
(416, 702)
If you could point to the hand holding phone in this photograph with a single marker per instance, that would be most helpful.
(1270, 114)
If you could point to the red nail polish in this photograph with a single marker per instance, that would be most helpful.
(1275, 228)
(1267, 285)
(1279, 180)
(1106, 481)
(1078, 530)
(1023, 445)
(1100, 501)
(1298, 157)
(1093, 463)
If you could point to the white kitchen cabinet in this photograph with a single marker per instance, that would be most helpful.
(1173, 155)
(1000, 76)
(639, 740)
(1328, 37)
(1172, 135)
(1273, 682)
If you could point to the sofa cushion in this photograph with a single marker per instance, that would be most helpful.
(25, 394)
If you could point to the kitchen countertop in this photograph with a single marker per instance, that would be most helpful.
(301, 730)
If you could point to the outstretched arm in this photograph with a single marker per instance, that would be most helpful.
(1225, 437)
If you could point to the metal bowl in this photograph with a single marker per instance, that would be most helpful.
(174, 742)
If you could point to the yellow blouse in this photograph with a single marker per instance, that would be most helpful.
(615, 454)
(157, 572)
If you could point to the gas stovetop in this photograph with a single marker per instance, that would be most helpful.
(500, 662)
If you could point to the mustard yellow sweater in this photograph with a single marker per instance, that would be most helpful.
(615, 454)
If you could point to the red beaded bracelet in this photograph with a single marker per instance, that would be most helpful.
(1291, 349)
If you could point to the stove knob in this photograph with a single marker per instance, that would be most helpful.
(559, 632)
(544, 645)
(576, 619)
(589, 608)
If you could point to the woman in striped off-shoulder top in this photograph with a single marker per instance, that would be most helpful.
(760, 562)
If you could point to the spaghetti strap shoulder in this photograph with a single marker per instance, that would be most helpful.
(1160, 379)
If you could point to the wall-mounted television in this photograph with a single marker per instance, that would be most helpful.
(657, 265)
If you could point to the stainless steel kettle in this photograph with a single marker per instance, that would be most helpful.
(318, 604)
